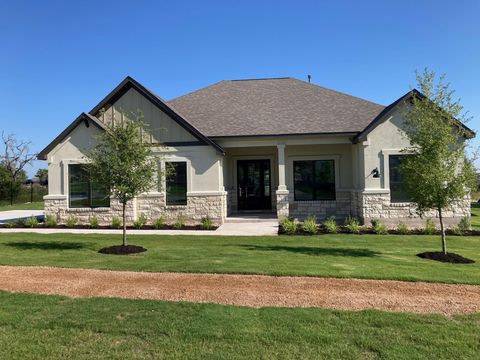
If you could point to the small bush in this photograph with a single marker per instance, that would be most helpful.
(159, 223)
(140, 222)
(116, 222)
(330, 225)
(206, 223)
(430, 228)
(402, 228)
(310, 225)
(180, 222)
(93, 222)
(71, 221)
(31, 222)
(352, 225)
(20, 223)
(465, 224)
(50, 221)
(289, 225)
(457, 231)
(378, 227)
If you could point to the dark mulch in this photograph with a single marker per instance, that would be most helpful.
(122, 250)
(448, 257)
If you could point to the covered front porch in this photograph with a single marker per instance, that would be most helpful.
(275, 178)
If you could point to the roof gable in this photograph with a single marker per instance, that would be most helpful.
(130, 83)
(83, 117)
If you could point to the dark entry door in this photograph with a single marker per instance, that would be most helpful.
(253, 179)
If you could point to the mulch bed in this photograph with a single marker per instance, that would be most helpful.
(146, 227)
(122, 250)
(448, 257)
(369, 230)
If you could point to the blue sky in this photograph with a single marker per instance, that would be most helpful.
(59, 58)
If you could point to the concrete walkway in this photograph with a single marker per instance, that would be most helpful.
(10, 215)
(238, 226)
(246, 290)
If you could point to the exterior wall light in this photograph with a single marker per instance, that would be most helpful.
(375, 173)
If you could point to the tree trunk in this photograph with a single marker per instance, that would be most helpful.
(442, 231)
(124, 243)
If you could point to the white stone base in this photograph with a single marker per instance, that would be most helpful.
(153, 205)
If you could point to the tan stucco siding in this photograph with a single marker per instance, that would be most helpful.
(386, 139)
(160, 125)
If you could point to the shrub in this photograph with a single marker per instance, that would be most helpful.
(289, 225)
(116, 222)
(71, 221)
(31, 222)
(50, 221)
(378, 227)
(140, 222)
(93, 222)
(330, 225)
(310, 225)
(352, 224)
(206, 223)
(159, 223)
(402, 228)
(20, 223)
(457, 231)
(180, 222)
(465, 224)
(430, 228)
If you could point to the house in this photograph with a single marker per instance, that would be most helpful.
(276, 145)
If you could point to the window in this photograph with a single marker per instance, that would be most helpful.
(314, 180)
(83, 192)
(397, 192)
(176, 183)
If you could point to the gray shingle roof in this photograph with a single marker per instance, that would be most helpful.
(273, 107)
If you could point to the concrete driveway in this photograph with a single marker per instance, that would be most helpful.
(12, 215)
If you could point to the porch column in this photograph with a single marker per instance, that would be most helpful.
(282, 191)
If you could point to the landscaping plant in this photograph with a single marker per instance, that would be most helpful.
(159, 223)
(50, 221)
(430, 228)
(180, 222)
(438, 172)
(93, 222)
(402, 228)
(31, 222)
(330, 225)
(140, 222)
(465, 224)
(289, 225)
(310, 225)
(206, 223)
(116, 222)
(352, 224)
(71, 221)
(378, 227)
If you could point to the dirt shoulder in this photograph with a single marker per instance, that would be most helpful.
(246, 290)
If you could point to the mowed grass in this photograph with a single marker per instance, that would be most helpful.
(475, 209)
(54, 327)
(27, 206)
(354, 256)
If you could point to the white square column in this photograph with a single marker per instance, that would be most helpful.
(282, 191)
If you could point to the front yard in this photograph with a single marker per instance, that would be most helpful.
(355, 256)
(54, 327)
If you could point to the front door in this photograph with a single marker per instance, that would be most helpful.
(253, 179)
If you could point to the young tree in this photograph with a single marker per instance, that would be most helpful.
(123, 162)
(15, 157)
(438, 173)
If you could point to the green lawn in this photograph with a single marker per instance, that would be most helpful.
(54, 327)
(27, 206)
(475, 216)
(358, 256)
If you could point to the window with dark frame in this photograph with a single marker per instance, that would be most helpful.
(176, 182)
(397, 191)
(83, 191)
(314, 180)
